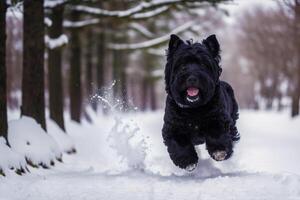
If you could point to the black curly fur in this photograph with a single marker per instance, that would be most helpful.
(212, 118)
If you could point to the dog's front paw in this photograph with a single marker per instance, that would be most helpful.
(220, 148)
(219, 155)
(191, 167)
(185, 161)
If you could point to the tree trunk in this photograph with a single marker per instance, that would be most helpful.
(75, 81)
(89, 64)
(3, 92)
(144, 93)
(116, 73)
(120, 76)
(296, 94)
(295, 105)
(100, 60)
(55, 69)
(123, 81)
(100, 65)
(33, 102)
(153, 104)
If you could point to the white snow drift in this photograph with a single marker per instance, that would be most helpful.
(10, 159)
(27, 138)
(64, 141)
(264, 165)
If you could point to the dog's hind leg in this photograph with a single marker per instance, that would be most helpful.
(235, 136)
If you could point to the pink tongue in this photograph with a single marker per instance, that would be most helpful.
(192, 91)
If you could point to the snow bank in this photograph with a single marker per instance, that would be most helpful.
(27, 138)
(10, 159)
(64, 141)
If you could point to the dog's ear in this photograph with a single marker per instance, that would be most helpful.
(212, 44)
(174, 43)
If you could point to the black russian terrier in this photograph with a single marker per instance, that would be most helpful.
(199, 107)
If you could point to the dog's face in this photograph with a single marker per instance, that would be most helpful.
(192, 71)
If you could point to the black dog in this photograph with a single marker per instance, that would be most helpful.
(199, 107)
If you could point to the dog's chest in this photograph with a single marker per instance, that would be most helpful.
(192, 126)
(195, 130)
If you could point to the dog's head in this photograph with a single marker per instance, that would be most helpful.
(192, 70)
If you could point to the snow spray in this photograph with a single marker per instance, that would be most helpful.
(124, 137)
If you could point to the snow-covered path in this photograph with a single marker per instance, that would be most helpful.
(136, 185)
(265, 164)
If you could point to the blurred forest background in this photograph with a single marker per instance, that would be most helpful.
(64, 55)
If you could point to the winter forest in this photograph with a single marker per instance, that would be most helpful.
(82, 99)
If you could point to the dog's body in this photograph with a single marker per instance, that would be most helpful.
(199, 107)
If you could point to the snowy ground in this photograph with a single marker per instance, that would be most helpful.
(265, 165)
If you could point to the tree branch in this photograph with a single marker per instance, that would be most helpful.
(151, 8)
(153, 42)
(141, 29)
(81, 24)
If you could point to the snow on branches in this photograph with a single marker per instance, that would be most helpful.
(80, 24)
(141, 29)
(142, 10)
(153, 42)
(151, 13)
(56, 42)
(54, 3)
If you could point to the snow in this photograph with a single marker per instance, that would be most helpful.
(80, 24)
(64, 141)
(48, 21)
(53, 43)
(264, 165)
(150, 13)
(54, 3)
(9, 159)
(144, 31)
(153, 42)
(128, 144)
(141, 11)
(142, 7)
(27, 138)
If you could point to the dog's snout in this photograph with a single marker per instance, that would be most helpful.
(192, 80)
